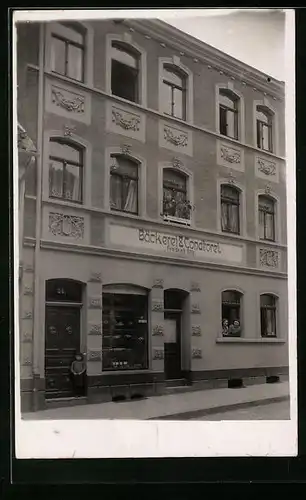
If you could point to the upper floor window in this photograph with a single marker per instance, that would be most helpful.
(231, 313)
(173, 92)
(175, 199)
(228, 113)
(124, 185)
(264, 128)
(230, 208)
(268, 315)
(266, 213)
(66, 171)
(68, 51)
(125, 72)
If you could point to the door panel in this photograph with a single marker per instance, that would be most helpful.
(62, 343)
(172, 346)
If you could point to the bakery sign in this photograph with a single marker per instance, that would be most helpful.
(174, 244)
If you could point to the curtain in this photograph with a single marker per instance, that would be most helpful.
(73, 186)
(75, 62)
(261, 224)
(270, 226)
(130, 204)
(224, 216)
(116, 192)
(270, 322)
(56, 179)
(234, 218)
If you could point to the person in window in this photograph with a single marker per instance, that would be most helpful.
(235, 329)
(77, 370)
(225, 327)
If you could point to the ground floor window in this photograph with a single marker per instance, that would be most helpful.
(268, 315)
(125, 331)
(231, 313)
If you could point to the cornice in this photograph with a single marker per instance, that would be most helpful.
(209, 55)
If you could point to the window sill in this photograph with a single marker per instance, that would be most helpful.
(177, 220)
(241, 340)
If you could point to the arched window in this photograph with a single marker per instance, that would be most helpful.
(125, 328)
(228, 113)
(66, 170)
(230, 209)
(125, 71)
(68, 50)
(268, 315)
(266, 215)
(231, 313)
(124, 184)
(173, 99)
(264, 131)
(175, 198)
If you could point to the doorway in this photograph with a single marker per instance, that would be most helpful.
(62, 335)
(173, 309)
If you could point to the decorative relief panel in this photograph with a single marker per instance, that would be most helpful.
(195, 309)
(95, 303)
(66, 225)
(196, 330)
(27, 361)
(158, 283)
(64, 100)
(124, 121)
(28, 290)
(157, 305)
(195, 287)
(28, 268)
(158, 330)
(27, 315)
(94, 355)
(269, 258)
(196, 353)
(230, 156)
(158, 354)
(175, 138)
(266, 169)
(95, 277)
(95, 329)
(27, 337)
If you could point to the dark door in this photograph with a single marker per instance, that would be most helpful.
(62, 343)
(172, 345)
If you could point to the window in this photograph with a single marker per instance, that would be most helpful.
(175, 201)
(125, 72)
(66, 171)
(125, 331)
(124, 184)
(231, 306)
(173, 93)
(266, 209)
(268, 315)
(228, 113)
(67, 52)
(264, 128)
(230, 209)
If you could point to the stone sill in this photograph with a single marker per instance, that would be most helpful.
(240, 340)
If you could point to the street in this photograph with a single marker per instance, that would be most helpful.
(272, 411)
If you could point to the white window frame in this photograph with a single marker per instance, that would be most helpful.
(234, 288)
(264, 103)
(242, 207)
(141, 181)
(78, 141)
(175, 62)
(58, 29)
(126, 39)
(190, 193)
(277, 216)
(229, 86)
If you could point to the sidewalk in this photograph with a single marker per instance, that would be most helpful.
(173, 407)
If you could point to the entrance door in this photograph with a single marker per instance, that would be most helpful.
(62, 343)
(172, 345)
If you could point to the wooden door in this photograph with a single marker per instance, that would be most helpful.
(172, 346)
(62, 341)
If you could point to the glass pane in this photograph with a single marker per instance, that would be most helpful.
(124, 81)
(231, 123)
(72, 32)
(269, 226)
(166, 98)
(173, 179)
(229, 192)
(234, 218)
(65, 152)
(265, 137)
(223, 121)
(231, 297)
(124, 56)
(178, 96)
(267, 300)
(56, 179)
(73, 183)
(271, 323)
(116, 192)
(262, 117)
(266, 204)
(227, 101)
(63, 290)
(130, 195)
(173, 77)
(261, 217)
(75, 62)
(124, 166)
(58, 56)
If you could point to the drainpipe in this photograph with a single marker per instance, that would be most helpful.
(37, 333)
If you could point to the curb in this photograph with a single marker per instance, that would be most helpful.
(220, 409)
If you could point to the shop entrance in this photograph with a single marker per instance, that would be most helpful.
(62, 335)
(173, 309)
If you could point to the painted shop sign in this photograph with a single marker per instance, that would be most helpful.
(175, 244)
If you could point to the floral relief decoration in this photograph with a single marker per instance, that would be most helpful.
(196, 330)
(230, 155)
(66, 225)
(196, 353)
(269, 258)
(158, 354)
(266, 167)
(158, 330)
(125, 121)
(75, 104)
(180, 139)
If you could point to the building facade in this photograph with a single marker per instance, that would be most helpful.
(154, 213)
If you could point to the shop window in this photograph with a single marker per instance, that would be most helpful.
(68, 51)
(266, 214)
(230, 209)
(124, 184)
(228, 113)
(268, 315)
(125, 72)
(66, 171)
(175, 200)
(125, 331)
(264, 128)
(173, 92)
(231, 313)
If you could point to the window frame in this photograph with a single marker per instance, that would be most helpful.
(122, 177)
(265, 106)
(265, 308)
(229, 201)
(229, 94)
(126, 48)
(265, 212)
(190, 193)
(260, 124)
(233, 305)
(68, 42)
(176, 71)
